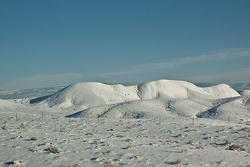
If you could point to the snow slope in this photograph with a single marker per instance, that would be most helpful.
(134, 109)
(221, 91)
(235, 109)
(89, 94)
(9, 105)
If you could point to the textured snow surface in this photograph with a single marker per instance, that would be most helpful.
(162, 141)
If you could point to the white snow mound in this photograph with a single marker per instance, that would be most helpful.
(170, 89)
(181, 89)
(89, 94)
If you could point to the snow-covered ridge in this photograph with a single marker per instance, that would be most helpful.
(90, 94)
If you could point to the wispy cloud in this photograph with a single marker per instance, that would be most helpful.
(234, 76)
(45, 80)
(42, 80)
(173, 64)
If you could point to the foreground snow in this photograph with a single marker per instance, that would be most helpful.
(125, 142)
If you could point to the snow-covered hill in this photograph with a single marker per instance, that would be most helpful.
(173, 89)
(89, 94)
(150, 99)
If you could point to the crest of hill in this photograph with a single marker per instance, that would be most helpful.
(89, 94)
(173, 89)
(221, 91)
(170, 89)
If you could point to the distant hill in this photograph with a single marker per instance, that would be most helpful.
(40, 92)
(29, 93)
(155, 98)
(241, 86)
(160, 98)
(237, 86)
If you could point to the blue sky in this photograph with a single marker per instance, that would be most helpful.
(58, 42)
